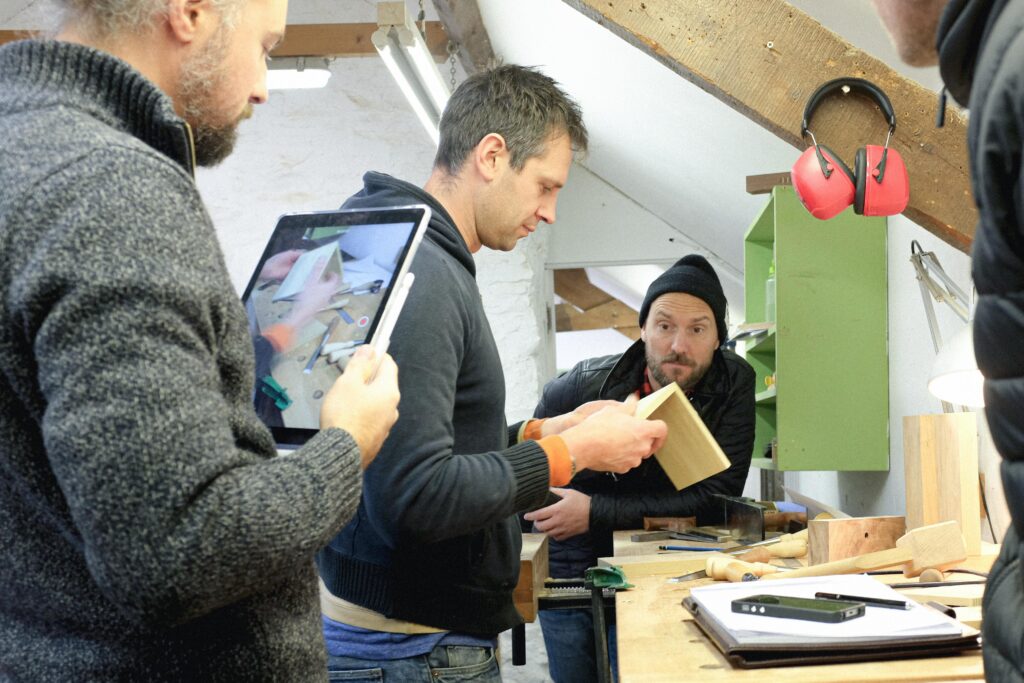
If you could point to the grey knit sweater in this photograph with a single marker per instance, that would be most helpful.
(148, 531)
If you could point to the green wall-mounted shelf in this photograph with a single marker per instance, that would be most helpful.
(829, 407)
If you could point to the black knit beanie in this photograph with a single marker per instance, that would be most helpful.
(693, 275)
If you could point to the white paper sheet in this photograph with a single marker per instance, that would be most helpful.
(877, 622)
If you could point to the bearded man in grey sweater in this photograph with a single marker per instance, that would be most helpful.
(149, 530)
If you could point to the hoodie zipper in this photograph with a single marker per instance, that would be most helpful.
(191, 148)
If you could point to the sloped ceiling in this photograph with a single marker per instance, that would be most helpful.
(672, 148)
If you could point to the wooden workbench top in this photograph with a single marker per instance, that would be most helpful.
(659, 641)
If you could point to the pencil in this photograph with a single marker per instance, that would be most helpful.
(873, 602)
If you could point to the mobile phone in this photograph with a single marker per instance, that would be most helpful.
(810, 609)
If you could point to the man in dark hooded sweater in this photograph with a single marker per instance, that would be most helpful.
(682, 322)
(980, 49)
(420, 583)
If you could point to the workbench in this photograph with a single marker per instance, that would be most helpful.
(659, 641)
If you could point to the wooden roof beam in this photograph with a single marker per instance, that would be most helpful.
(320, 40)
(765, 58)
(590, 307)
(462, 21)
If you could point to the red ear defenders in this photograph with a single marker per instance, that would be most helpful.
(878, 184)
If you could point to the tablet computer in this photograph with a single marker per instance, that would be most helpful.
(327, 283)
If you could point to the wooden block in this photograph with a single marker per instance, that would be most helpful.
(533, 571)
(669, 523)
(940, 455)
(952, 595)
(670, 564)
(690, 454)
(763, 184)
(837, 539)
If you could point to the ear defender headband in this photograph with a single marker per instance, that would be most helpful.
(878, 185)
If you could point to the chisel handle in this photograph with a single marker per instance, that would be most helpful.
(853, 565)
(726, 568)
(798, 536)
(767, 553)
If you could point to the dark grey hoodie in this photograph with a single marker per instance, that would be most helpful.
(435, 540)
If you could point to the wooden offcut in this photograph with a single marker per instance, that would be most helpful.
(690, 453)
(533, 571)
(837, 539)
(764, 59)
(669, 523)
(670, 564)
(763, 183)
(940, 460)
(952, 595)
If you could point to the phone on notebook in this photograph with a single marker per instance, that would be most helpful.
(809, 609)
(336, 280)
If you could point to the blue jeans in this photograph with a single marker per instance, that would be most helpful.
(569, 640)
(442, 664)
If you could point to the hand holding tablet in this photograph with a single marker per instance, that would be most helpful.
(300, 358)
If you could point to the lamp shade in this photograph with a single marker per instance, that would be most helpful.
(955, 376)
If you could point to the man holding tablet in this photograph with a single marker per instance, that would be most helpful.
(149, 531)
(420, 583)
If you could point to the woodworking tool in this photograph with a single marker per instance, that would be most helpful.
(319, 347)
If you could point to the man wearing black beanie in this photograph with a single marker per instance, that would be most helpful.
(682, 322)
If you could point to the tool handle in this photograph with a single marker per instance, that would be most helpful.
(853, 565)
(767, 553)
(798, 536)
(726, 568)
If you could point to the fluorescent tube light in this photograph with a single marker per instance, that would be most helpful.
(411, 65)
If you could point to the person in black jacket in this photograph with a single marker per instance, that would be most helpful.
(683, 326)
(978, 46)
(419, 584)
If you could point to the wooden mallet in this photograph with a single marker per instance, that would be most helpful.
(938, 546)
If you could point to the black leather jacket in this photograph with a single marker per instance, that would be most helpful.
(724, 398)
(981, 52)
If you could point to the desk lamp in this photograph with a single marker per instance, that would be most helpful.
(955, 378)
(941, 451)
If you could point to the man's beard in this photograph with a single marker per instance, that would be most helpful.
(201, 81)
(654, 367)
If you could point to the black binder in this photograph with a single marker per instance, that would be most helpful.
(795, 652)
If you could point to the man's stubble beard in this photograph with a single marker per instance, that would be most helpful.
(654, 368)
(202, 78)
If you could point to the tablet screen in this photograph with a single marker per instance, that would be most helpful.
(317, 293)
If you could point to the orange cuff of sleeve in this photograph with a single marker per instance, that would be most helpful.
(560, 461)
(531, 430)
(280, 336)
